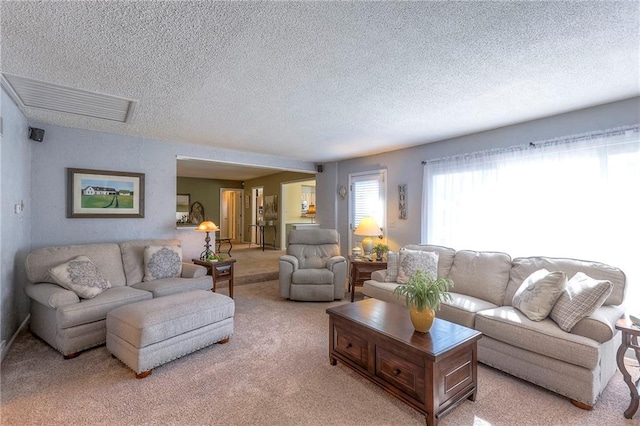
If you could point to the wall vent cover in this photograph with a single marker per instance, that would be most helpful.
(53, 97)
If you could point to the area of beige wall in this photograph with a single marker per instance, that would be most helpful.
(207, 192)
(271, 185)
(292, 204)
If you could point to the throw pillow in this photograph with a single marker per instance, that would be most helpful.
(582, 297)
(538, 293)
(414, 260)
(162, 262)
(393, 258)
(81, 276)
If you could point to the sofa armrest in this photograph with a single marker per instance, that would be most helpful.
(50, 295)
(379, 276)
(191, 270)
(601, 325)
(335, 260)
(292, 260)
(288, 264)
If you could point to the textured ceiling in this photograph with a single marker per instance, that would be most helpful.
(324, 81)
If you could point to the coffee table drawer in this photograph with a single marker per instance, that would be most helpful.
(352, 346)
(400, 373)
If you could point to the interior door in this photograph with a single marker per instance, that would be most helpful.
(231, 214)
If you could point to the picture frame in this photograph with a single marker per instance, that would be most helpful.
(183, 203)
(104, 194)
(271, 207)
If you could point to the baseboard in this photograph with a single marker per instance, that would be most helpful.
(4, 347)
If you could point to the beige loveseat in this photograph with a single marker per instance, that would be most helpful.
(70, 323)
(577, 364)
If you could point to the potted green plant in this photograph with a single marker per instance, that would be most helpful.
(424, 295)
(212, 257)
(380, 249)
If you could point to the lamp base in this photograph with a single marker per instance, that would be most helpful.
(367, 247)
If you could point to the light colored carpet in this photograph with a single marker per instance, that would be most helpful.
(254, 265)
(274, 371)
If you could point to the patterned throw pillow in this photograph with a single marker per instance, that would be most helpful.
(414, 260)
(538, 293)
(582, 297)
(162, 262)
(393, 258)
(81, 276)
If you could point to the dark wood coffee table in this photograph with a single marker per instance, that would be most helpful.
(432, 372)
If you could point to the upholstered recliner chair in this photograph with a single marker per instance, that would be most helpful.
(312, 269)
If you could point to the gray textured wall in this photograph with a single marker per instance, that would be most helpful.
(15, 231)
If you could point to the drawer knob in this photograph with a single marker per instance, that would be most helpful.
(349, 345)
(396, 371)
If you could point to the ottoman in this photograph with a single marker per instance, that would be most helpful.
(147, 334)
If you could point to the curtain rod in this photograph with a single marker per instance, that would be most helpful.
(562, 139)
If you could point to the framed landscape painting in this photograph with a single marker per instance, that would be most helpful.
(104, 194)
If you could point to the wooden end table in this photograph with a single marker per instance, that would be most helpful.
(219, 271)
(432, 372)
(630, 335)
(361, 270)
(219, 242)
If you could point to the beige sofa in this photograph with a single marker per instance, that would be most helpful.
(577, 365)
(71, 324)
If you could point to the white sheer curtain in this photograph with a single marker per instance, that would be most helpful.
(575, 197)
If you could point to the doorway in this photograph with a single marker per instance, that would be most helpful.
(231, 225)
(298, 207)
(257, 212)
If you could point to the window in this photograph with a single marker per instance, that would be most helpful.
(368, 198)
(575, 197)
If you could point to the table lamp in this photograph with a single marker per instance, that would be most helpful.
(368, 227)
(207, 226)
(311, 212)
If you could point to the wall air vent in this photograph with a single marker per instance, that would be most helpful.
(40, 94)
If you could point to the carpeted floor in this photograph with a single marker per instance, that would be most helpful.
(274, 371)
(254, 265)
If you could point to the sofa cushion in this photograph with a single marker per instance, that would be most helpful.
(81, 276)
(96, 309)
(525, 266)
(481, 274)
(445, 256)
(511, 326)
(539, 292)
(167, 286)
(312, 276)
(462, 309)
(582, 297)
(382, 290)
(313, 247)
(106, 257)
(393, 263)
(132, 257)
(162, 262)
(412, 261)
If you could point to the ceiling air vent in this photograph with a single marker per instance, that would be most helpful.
(53, 97)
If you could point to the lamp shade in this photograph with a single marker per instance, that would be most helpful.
(207, 226)
(311, 209)
(368, 227)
